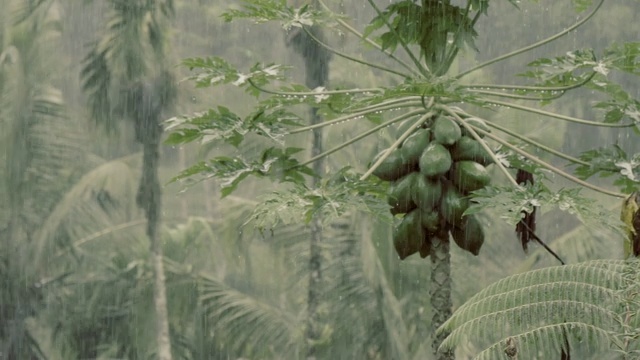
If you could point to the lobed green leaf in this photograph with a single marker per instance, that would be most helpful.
(337, 195)
(274, 163)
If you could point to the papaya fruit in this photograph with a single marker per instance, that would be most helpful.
(469, 176)
(408, 235)
(435, 160)
(414, 145)
(426, 192)
(405, 125)
(469, 236)
(393, 167)
(469, 149)
(446, 131)
(425, 249)
(401, 194)
(453, 204)
(430, 220)
(479, 123)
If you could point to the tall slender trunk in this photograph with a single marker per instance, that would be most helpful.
(440, 290)
(150, 100)
(149, 199)
(316, 60)
(184, 206)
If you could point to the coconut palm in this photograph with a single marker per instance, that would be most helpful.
(39, 142)
(126, 77)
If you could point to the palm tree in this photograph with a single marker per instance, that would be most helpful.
(39, 143)
(316, 61)
(126, 77)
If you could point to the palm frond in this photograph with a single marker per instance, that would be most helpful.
(23, 10)
(582, 303)
(109, 293)
(135, 30)
(100, 199)
(96, 78)
(246, 323)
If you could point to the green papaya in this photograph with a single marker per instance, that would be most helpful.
(426, 192)
(469, 236)
(453, 204)
(435, 160)
(446, 131)
(479, 123)
(414, 145)
(405, 126)
(401, 194)
(469, 175)
(408, 235)
(430, 220)
(393, 167)
(469, 149)
(425, 249)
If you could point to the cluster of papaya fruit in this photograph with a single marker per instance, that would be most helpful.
(432, 173)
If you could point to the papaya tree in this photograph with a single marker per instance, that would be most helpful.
(449, 161)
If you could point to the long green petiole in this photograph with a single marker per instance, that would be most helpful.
(474, 134)
(349, 57)
(363, 135)
(534, 45)
(516, 96)
(423, 69)
(352, 116)
(396, 144)
(314, 93)
(352, 30)
(401, 101)
(549, 166)
(531, 88)
(534, 143)
(454, 49)
(554, 115)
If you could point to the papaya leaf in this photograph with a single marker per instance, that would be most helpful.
(213, 71)
(563, 70)
(509, 203)
(220, 124)
(483, 5)
(412, 24)
(581, 5)
(274, 163)
(224, 125)
(337, 195)
(262, 11)
(620, 106)
(613, 161)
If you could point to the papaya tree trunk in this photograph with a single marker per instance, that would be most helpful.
(316, 60)
(440, 291)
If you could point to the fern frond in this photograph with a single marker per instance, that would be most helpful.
(551, 339)
(523, 318)
(599, 273)
(584, 305)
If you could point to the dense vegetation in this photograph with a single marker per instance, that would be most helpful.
(96, 228)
